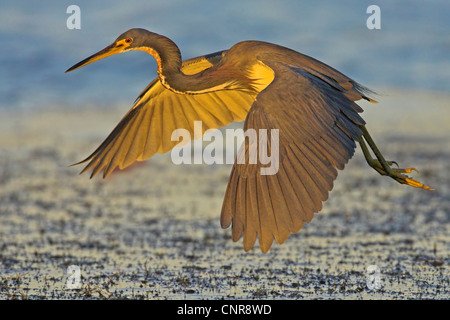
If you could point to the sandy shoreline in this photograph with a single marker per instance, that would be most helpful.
(153, 231)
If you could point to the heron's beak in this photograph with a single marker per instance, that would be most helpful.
(114, 48)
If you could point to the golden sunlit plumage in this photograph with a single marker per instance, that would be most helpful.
(270, 87)
(147, 128)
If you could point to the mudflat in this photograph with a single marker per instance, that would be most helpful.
(152, 231)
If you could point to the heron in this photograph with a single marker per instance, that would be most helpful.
(270, 87)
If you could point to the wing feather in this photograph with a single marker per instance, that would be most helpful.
(293, 203)
(238, 224)
(279, 205)
(318, 125)
(147, 128)
(252, 225)
(266, 214)
(153, 145)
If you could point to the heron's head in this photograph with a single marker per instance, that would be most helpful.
(129, 40)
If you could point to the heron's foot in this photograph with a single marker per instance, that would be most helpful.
(384, 167)
(397, 173)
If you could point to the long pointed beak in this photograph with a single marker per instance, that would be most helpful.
(108, 51)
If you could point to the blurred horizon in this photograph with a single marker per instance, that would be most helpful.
(410, 51)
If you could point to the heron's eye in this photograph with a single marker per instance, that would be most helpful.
(128, 40)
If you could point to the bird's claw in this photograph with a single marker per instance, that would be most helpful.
(398, 175)
(407, 170)
(416, 184)
(392, 162)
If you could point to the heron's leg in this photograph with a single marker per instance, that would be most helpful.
(384, 167)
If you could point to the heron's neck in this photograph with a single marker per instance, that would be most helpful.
(168, 57)
(169, 65)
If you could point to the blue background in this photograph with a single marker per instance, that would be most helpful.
(410, 51)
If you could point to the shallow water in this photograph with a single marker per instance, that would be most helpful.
(153, 231)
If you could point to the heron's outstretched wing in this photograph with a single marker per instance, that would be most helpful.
(147, 128)
(318, 126)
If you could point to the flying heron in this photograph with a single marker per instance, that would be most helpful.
(270, 87)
